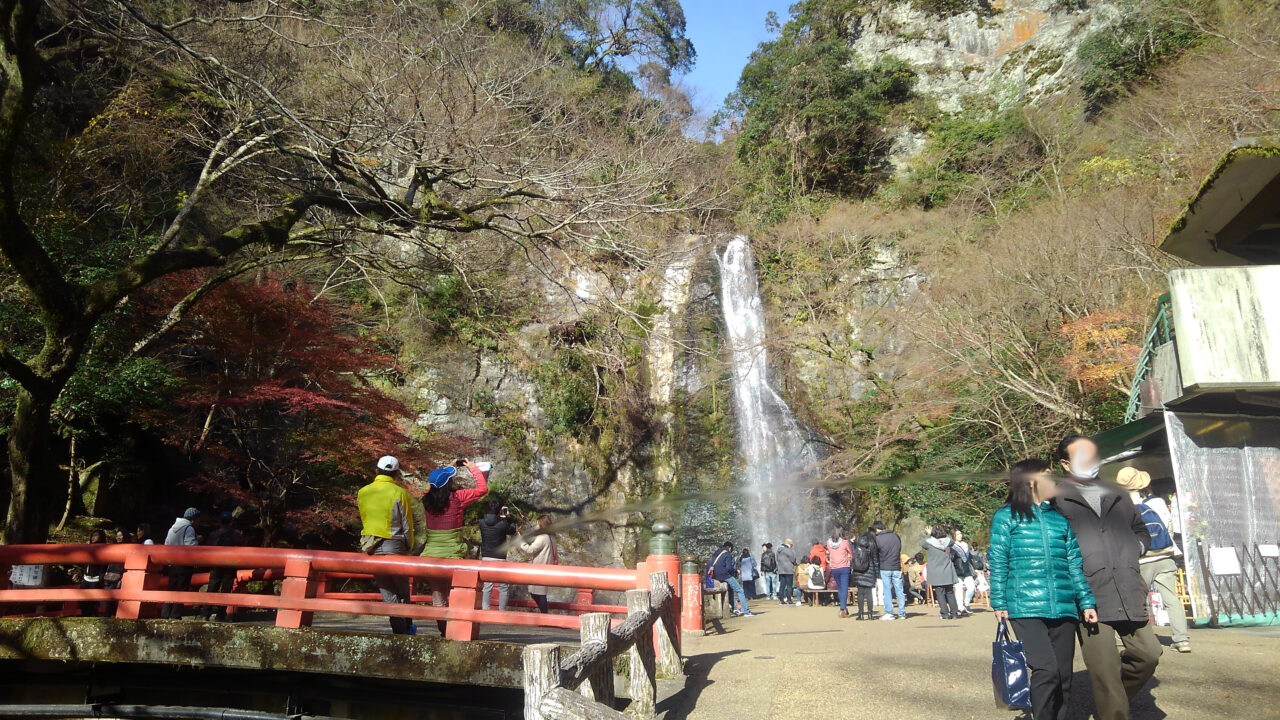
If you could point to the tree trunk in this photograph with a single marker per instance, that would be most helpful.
(31, 469)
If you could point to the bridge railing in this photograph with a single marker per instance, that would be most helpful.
(580, 686)
(305, 576)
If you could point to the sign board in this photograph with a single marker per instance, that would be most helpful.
(26, 575)
(1269, 551)
(1224, 561)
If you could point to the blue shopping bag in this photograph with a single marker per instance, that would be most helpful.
(1009, 674)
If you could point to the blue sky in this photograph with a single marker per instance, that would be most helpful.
(724, 32)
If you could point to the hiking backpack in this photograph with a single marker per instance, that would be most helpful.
(768, 562)
(815, 576)
(861, 559)
(1160, 537)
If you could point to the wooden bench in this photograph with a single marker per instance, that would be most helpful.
(812, 595)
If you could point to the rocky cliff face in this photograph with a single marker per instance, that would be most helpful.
(497, 399)
(1012, 51)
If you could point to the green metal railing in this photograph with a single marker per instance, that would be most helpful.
(1160, 333)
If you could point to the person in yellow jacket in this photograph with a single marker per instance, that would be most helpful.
(386, 517)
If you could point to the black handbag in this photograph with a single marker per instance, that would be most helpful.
(1009, 674)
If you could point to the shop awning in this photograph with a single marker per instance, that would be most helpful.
(1124, 439)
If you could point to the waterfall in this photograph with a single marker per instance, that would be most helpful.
(777, 461)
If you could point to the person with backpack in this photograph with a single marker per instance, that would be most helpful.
(840, 557)
(1158, 565)
(223, 579)
(769, 570)
(1038, 584)
(724, 569)
(865, 570)
(786, 572)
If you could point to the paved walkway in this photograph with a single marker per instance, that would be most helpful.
(797, 662)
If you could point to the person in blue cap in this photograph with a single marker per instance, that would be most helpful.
(443, 507)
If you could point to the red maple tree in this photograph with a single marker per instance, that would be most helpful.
(281, 410)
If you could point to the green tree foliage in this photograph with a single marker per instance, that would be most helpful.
(607, 35)
(978, 153)
(419, 141)
(808, 113)
(1147, 36)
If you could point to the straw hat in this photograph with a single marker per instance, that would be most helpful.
(1131, 478)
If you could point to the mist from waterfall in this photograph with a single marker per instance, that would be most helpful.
(777, 461)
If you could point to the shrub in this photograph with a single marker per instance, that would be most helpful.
(1147, 36)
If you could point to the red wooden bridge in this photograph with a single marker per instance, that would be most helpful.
(296, 585)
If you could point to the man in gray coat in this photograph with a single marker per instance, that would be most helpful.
(786, 572)
(1112, 537)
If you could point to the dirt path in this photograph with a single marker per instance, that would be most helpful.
(798, 662)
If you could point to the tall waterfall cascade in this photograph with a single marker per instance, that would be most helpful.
(779, 467)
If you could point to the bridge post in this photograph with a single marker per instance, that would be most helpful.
(139, 574)
(691, 597)
(663, 559)
(594, 628)
(465, 593)
(644, 671)
(298, 584)
(541, 676)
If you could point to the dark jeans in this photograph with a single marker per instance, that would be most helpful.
(1050, 646)
(945, 596)
(842, 586)
(867, 597)
(1117, 675)
(90, 609)
(785, 587)
(221, 580)
(541, 602)
(179, 581)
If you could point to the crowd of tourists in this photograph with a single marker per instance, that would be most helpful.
(869, 569)
(387, 528)
(1071, 561)
(390, 525)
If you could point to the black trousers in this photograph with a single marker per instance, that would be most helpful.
(1050, 646)
(786, 588)
(179, 581)
(945, 596)
(866, 595)
(541, 602)
(221, 580)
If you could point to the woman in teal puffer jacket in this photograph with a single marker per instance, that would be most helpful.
(1038, 584)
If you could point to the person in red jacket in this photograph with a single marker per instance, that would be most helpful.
(819, 550)
(443, 507)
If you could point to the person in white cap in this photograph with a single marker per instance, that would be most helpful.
(386, 517)
(1158, 565)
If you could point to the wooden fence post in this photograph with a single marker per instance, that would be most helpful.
(666, 633)
(541, 676)
(139, 574)
(644, 681)
(594, 628)
(298, 584)
(465, 593)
